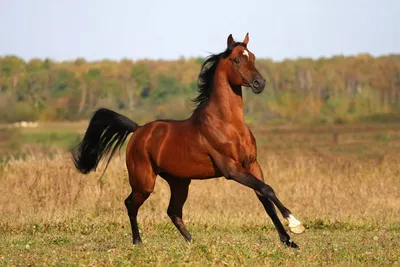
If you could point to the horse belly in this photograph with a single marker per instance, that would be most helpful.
(188, 166)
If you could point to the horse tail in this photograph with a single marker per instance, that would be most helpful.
(107, 132)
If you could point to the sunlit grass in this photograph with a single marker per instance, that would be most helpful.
(52, 214)
(346, 193)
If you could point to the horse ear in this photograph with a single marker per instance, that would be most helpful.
(246, 39)
(230, 40)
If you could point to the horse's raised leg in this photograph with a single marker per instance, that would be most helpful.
(270, 209)
(255, 169)
(295, 225)
(133, 203)
(179, 192)
(252, 177)
(241, 175)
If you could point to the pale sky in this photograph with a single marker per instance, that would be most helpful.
(155, 29)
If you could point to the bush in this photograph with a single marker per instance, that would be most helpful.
(18, 111)
(380, 118)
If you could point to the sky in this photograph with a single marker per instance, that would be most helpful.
(161, 29)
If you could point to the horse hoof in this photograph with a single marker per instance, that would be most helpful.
(137, 242)
(295, 225)
(298, 229)
(290, 244)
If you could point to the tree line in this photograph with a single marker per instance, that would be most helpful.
(303, 90)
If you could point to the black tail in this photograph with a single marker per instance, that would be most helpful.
(107, 131)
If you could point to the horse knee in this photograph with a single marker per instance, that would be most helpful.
(129, 205)
(267, 191)
(135, 200)
(172, 211)
(128, 200)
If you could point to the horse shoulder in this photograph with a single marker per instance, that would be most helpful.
(249, 148)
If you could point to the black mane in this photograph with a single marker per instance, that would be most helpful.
(207, 72)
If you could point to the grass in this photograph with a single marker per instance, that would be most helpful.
(53, 215)
(18, 143)
(55, 139)
(346, 193)
(108, 243)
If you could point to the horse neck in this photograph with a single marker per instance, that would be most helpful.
(227, 99)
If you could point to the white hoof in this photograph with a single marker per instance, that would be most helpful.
(295, 225)
(297, 229)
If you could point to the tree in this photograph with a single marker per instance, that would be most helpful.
(93, 82)
(140, 82)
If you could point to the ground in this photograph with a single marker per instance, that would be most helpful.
(345, 190)
(108, 243)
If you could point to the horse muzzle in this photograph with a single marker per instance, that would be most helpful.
(257, 85)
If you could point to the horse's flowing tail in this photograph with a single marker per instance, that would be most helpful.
(107, 132)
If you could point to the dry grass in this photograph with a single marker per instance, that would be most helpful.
(48, 209)
(348, 190)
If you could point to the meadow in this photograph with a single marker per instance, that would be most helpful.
(341, 181)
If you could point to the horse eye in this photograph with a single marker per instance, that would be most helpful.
(236, 60)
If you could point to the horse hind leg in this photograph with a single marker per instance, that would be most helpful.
(179, 192)
(133, 203)
(142, 183)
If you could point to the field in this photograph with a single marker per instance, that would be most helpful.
(342, 182)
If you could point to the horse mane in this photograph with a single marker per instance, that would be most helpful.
(207, 72)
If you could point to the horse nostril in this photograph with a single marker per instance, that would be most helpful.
(256, 84)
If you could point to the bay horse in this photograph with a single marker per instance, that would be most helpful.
(213, 142)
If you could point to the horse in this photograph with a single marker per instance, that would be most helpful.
(213, 142)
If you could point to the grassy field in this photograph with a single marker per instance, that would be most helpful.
(344, 188)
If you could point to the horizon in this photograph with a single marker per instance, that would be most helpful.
(200, 57)
(156, 30)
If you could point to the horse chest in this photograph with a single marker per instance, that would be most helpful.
(242, 147)
(246, 151)
(234, 141)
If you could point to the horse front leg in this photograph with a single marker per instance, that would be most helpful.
(295, 225)
(254, 180)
